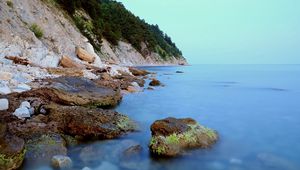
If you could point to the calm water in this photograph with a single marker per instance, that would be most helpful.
(255, 109)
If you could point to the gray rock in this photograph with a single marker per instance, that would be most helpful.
(61, 161)
(4, 104)
(22, 113)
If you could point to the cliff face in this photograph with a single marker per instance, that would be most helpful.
(60, 36)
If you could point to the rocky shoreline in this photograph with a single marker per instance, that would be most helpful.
(45, 110)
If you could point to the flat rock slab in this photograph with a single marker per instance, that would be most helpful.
(74, 91)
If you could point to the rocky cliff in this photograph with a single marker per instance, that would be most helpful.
(40, 31)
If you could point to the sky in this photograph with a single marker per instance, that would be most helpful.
(227, 31)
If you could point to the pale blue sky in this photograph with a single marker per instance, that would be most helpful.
(227, 31)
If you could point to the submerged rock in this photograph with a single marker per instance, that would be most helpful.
(12, 150)
(44, 147)
(155, 82)
(61, 162)
(171, 136)
(179, 72)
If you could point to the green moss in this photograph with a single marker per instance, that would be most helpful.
(189, 136)
(160, 150)
(10, 3)
(172, 139)
(210, 133)
(37, 30)
(124, 123)
(12, 162)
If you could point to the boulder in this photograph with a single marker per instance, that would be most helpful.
(90, 122)
(171, 136)
(61, 162)
(4, 104)
(84, 55)
(67, 62)
(12, 150)
(155, 82)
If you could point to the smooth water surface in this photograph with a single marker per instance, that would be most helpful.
(254, 108)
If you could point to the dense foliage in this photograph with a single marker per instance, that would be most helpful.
(111, 20)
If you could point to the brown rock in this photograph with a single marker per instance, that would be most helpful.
(77, 72)
(67, 62)
(18, 60)
(155, 82)
(12, 150)
(90, 123)
(138, 72)
(169, 126)
(84, 55)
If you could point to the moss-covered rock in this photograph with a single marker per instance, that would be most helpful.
(90, 122)
(12, 150)
(44, 147)
(170, 136)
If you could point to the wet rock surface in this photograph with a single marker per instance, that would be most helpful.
(90, 123)
(44, 147)
(171, 136)
(12, 150)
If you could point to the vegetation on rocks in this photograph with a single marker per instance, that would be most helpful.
(37, 30)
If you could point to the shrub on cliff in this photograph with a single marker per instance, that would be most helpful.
(37, 30)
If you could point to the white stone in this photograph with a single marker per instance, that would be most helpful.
(4, 104)
(25, 104)
(89, 75)
(5, 90)
(61, 162)
(22, 113)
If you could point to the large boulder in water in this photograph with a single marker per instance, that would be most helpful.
(90, 122)
(171, 136)
(12, 150)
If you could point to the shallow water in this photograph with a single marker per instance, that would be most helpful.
(254, 108)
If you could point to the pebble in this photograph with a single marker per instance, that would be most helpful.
(4, 104)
